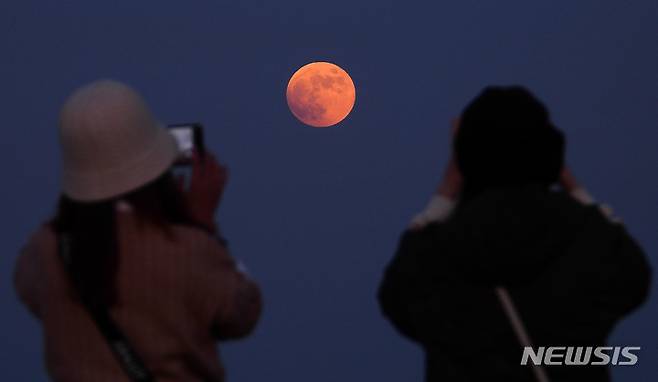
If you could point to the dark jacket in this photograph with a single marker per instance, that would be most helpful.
(570, 271)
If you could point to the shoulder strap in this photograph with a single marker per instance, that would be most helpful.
(125, 354)
(519, 329)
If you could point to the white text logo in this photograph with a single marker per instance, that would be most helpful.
(575, 356)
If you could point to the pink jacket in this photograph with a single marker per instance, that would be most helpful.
(178, 295)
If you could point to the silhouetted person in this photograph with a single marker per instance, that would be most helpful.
(138, 247)
(497, 220)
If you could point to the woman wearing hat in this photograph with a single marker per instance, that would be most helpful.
(142, 284)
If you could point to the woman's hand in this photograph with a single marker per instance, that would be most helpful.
(451, 183)
(444, 199)
(568, 180)
(206, 188)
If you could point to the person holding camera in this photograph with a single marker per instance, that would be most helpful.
(501, 261)
(131, 280)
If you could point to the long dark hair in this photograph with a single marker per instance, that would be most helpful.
(92, 233)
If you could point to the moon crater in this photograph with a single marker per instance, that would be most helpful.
(320, 94)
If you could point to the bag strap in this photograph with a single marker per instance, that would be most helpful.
(519, 329)
(124, 353)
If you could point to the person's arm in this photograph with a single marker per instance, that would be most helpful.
(629, 284)
(406, 296)
(577, 191)
(438, 209)
(443, 201)
(227, 299)
(235, 299)
(446, 196)
(240, 311)
(207, 185)
(634, 281)
(409, 294)
(424, 294)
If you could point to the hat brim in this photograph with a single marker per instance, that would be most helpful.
(99, 186)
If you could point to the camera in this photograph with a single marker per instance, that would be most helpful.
(189, 138)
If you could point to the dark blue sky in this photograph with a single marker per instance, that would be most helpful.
(316, 214)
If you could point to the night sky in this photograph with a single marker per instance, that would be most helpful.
(316, 213)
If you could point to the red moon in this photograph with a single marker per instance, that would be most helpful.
(320, 94)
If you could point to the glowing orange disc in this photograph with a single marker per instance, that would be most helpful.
(321, 94)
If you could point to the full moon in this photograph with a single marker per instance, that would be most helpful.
(320, 94)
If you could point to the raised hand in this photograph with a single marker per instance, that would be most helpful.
(206, 189)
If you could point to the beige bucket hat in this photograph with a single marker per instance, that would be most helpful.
(111, 144)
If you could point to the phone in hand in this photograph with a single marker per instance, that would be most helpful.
(189, 138)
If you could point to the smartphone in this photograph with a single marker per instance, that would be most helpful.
(189, 138)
